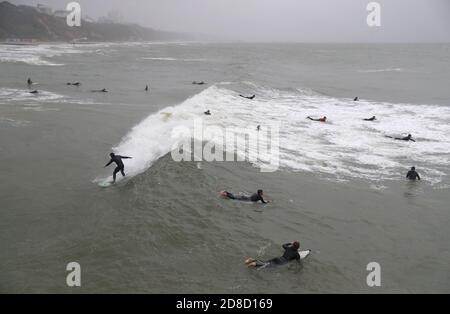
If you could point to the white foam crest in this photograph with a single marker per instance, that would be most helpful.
(153, 138)
(381, 70)
(345, 147)
(14, 97)
(38, 108)
(172, 59)
(160, 58)
(22, 97)
(35, 54)
(12, 122)
(11, 95)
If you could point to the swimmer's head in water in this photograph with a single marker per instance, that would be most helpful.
(296, 245)
(413, 168)
(260, 192)
(112, 155)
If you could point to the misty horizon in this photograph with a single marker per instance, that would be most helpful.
(322, 21)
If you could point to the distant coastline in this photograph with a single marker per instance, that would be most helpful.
(26, 25)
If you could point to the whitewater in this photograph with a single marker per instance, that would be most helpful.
(345, 147)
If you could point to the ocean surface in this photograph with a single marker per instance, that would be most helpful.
(339, 187)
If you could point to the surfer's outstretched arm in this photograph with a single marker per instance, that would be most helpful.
(125, 157)
(110, 162)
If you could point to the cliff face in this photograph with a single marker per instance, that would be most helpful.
(24, 22)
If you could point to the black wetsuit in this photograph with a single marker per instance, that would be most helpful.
(248, 97)
(120, 167)
(324, 119)
(370, 119)
(412, 175)
(253, 198)
(289, 254)
(406, 138)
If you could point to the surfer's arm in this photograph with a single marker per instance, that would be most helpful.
(412, 140)
(125, 157)
(110, 162)
(285, 246)
(418, 177)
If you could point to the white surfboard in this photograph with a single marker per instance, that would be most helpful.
(266, 264)
(304, 254)
(107, 182)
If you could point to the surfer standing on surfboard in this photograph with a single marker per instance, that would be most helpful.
(120, 167)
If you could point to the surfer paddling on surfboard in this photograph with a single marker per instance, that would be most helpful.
(248, 97)
(120, 167)
(371, 119)
(323, 119)
(406, 138)
(291, 253)
(258, 196)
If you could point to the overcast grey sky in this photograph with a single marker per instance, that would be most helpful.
(281, 20)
